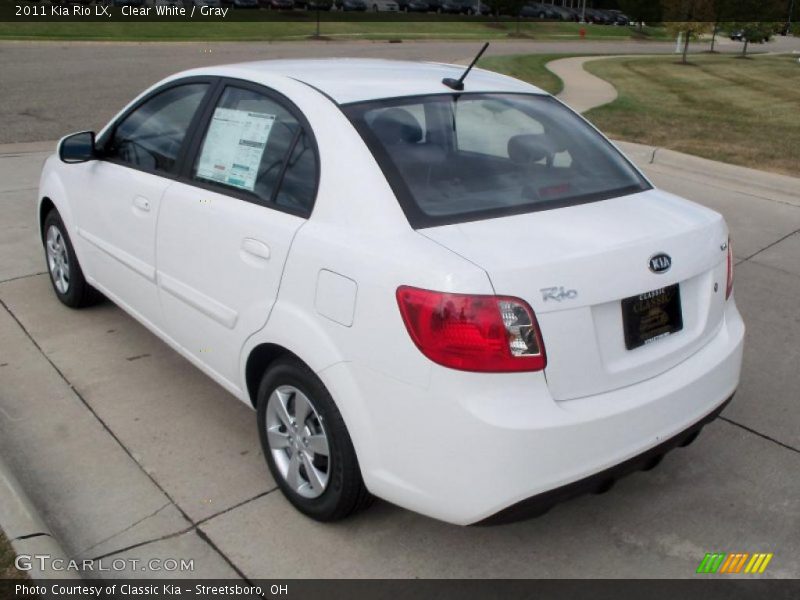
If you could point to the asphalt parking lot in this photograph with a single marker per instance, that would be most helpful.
(130, 452)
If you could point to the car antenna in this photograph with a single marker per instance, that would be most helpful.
(458, 84)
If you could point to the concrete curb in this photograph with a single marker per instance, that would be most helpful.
(27, 532)
(775, 186)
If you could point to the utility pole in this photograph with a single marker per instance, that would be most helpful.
(789, 22)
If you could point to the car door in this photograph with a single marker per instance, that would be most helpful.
(140, 155)
(224, 229)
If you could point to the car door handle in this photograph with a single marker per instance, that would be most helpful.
(142, 204)
(256, 248)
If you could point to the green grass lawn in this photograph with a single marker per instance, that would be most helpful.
(528, 67)
(7, 556)
(740, 111)
(405, 27)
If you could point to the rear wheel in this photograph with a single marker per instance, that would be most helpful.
(66, 275)
(306, 444)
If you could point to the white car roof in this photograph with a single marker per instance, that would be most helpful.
(348, 80)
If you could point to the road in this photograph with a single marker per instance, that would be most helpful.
(54, 88)
(129, 452)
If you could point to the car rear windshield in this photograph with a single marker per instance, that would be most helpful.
(452, 158)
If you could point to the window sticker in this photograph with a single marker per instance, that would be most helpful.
(233, 148)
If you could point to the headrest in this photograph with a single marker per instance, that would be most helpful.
(528, 148)
(395, 125)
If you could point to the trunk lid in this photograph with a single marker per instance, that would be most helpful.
(575, 265)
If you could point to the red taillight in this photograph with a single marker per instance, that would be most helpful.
(729, 283)
(473, 333)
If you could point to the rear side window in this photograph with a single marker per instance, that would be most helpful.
(151, 136)
(252, 144)
(300, 178)
(453, 158)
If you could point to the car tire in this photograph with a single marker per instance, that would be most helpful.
(294, 451)
(66, 275)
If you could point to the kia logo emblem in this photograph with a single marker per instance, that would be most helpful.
(660, 263)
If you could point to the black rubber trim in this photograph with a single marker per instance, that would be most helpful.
(602, 481)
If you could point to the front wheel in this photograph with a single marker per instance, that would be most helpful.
(65, 272)
(308, 449)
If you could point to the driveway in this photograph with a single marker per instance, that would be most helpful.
(129, 452)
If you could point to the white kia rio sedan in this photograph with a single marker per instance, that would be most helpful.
(467, 301)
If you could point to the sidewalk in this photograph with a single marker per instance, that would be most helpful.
(582, 90)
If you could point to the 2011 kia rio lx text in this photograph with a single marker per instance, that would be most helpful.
(454, 295)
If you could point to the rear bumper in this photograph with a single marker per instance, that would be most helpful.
(470, 448)
(602, 481)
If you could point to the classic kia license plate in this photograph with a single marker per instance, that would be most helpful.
(651, 316)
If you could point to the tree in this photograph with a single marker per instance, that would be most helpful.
(687, 18)
(754, 32)
(721, 9)
(755, 19)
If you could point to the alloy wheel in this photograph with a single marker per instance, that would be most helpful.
(58, 259)
(298, 441)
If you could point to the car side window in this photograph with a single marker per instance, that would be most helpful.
(299, 183)
(246, 145)
(151, 136)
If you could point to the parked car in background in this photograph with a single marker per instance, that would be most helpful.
(451, 7)
(598, 17)
(462, 7)
(211, 3)
(466, 301)
(538, 10)
(350, 5)
(413, 5)
(619, 17)
(475, 8)
(322, 5)
(739, 35)
(566, 14)
(245, 3)
(277, 4)
(384, 5)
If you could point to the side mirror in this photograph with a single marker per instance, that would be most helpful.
(77, 148)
